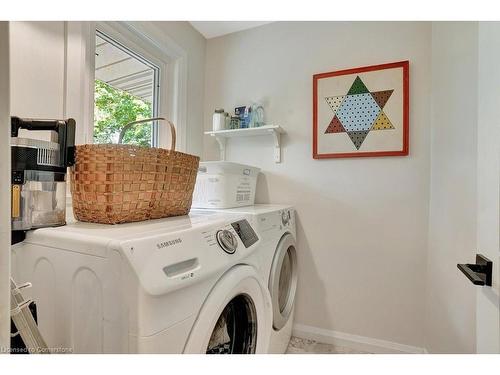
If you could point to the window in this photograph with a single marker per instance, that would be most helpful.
(126, 90)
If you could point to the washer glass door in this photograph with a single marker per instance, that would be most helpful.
(236, 329)
(283, 281)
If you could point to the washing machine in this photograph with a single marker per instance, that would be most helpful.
(276, 261)
(176, 285)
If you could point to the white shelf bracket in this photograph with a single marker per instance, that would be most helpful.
(221, 136)
(277, 146)
(222, 147)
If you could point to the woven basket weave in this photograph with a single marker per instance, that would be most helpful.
(113, 184)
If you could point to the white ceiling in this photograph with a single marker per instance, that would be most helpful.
(212, 29)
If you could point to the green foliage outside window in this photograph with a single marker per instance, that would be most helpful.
(114, 109)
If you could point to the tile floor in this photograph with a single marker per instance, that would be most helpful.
(305, 346)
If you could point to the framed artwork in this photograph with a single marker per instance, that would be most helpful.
(361, 112)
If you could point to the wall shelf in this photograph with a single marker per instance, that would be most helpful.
(222, 135)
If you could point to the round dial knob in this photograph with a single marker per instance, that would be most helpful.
(284, 218)
(227, 241)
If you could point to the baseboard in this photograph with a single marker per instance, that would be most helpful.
(355, 342)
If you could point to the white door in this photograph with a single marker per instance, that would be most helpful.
(488, 192)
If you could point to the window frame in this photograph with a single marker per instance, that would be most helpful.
(155, 142)
(148, 40)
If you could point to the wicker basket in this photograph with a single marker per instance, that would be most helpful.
(113, 184)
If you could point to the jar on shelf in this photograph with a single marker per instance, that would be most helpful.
(218, 120)
(235, 122)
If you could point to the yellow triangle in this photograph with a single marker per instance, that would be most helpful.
(382, 122)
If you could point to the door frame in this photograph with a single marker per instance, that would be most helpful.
(488, 185)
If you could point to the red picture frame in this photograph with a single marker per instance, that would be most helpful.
(406, 102)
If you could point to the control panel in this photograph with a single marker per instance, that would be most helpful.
(227, 237)
(246, 233)
(285, 217)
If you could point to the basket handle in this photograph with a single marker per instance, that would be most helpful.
(131, 124)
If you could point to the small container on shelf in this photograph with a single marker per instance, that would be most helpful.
(257, 116)
(227, 120)
(244, 114)
(235, 122)
(218, 120)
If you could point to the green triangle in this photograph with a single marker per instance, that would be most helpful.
(358, 87)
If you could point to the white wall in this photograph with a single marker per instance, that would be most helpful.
(193, 44)
(48, 69)
(37, 70)
(450, 313)
(362, 223)
(4, 188)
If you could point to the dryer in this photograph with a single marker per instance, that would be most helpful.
(276, 260)
(176, 285)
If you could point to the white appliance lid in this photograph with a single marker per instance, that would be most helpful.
(256, 209)
(122, 232)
